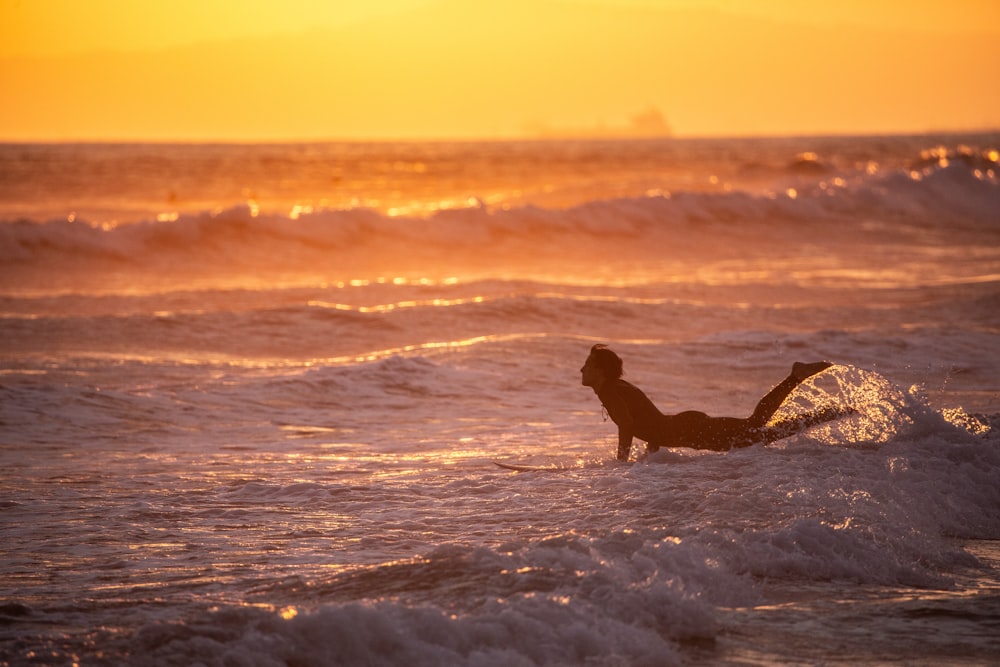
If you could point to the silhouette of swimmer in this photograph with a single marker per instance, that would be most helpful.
(637, 417)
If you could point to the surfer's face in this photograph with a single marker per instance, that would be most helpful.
(591, 374)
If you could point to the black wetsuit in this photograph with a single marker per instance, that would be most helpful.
(634, 413)
(632, 410)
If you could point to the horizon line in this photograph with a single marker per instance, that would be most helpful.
(526, 138)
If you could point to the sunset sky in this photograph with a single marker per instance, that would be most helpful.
(387, 69)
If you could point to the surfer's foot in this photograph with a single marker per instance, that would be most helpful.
(801, 371)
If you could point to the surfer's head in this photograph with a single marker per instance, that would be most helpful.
(601, 365)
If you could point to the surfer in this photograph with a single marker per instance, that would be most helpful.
(637, 417)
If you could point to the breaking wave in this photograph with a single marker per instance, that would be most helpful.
(662, 227)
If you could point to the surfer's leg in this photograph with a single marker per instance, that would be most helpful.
(772, 401)
(721, 434)
(790, 427)
(699, 431)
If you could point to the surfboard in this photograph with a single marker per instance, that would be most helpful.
(520, 468)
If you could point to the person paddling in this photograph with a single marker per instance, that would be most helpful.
(637, 417)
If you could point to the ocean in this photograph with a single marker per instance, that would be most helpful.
(251, 397)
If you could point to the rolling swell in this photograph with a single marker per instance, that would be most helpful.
(339, 323)
(657, 230)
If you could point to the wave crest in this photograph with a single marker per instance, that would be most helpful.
(684, 226)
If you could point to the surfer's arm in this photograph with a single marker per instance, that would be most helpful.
(624, 443)
(620, 415)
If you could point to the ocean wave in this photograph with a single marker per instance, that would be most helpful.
(562, 599)
(533, 631)
(729, 527)
(951, 197)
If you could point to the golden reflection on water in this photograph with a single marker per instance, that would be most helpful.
(388, 307)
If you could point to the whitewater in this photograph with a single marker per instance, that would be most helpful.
(251, 397)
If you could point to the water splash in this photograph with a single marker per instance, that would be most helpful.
(874, 409)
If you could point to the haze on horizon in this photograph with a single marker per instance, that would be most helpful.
(253, 70)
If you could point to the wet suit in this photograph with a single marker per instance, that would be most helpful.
(636, 416)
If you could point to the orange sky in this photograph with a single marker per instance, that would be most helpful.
(339, 69)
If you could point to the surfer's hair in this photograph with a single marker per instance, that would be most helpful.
(609, 362)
